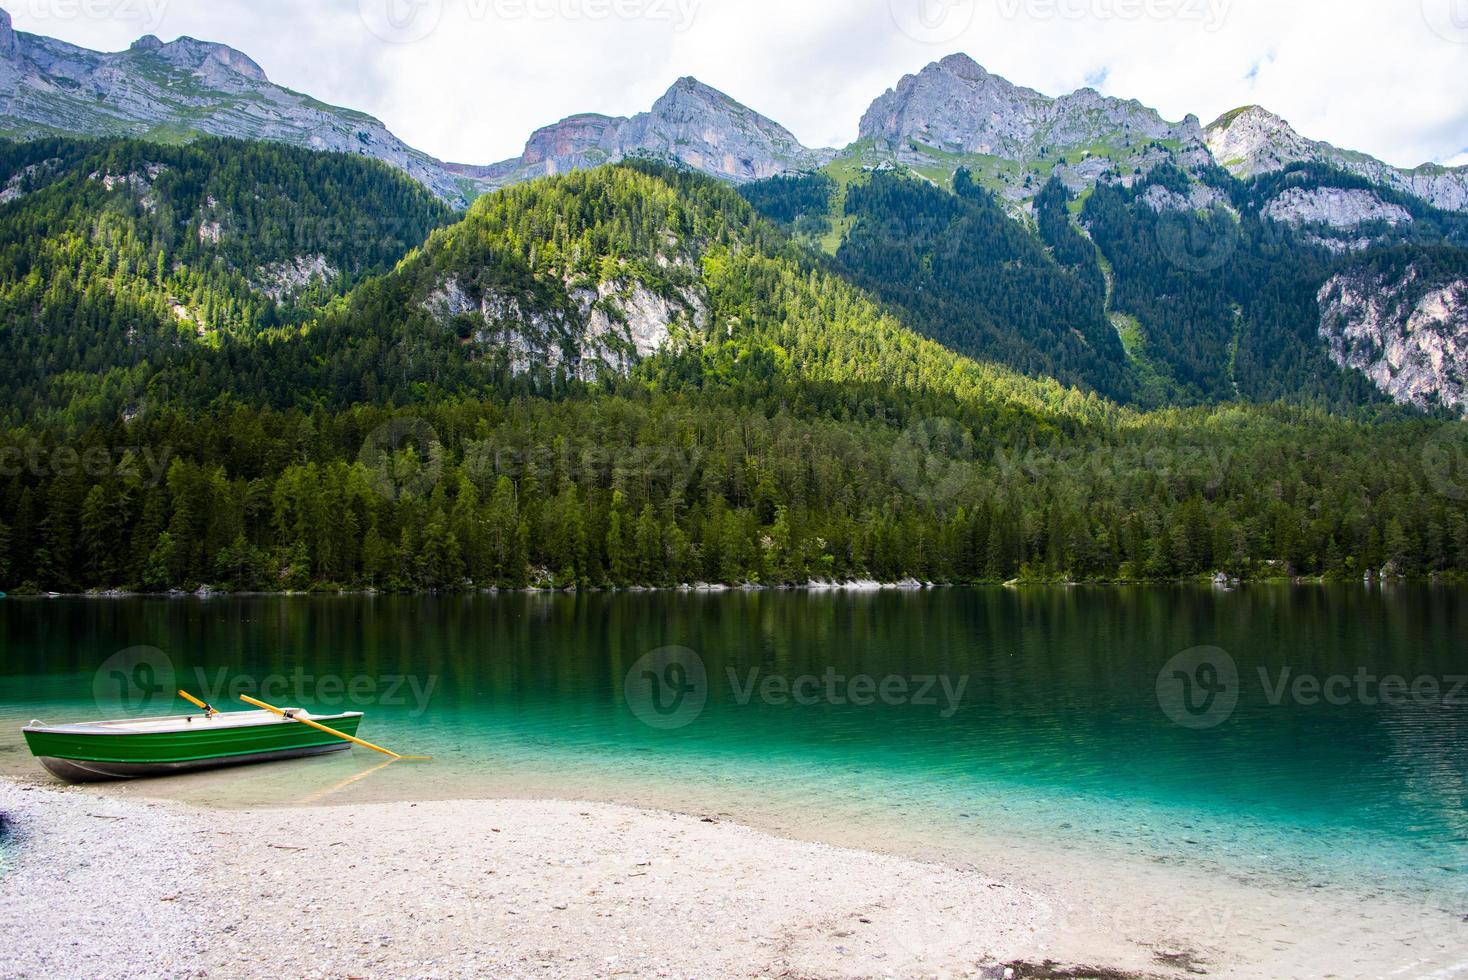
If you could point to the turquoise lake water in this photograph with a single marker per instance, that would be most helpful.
(1088, 717)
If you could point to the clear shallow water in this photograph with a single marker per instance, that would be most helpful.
(1059, 735)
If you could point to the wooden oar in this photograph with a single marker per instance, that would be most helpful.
(332, 731)
(209, 711)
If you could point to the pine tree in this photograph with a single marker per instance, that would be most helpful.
(377, 558)
(620, 561)
(652, 559)
(5, 556)
(98, 537)
(160, 573)
(439, 562)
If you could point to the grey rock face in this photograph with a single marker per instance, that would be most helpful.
(28, 179)
(7, 35)
(955, 106)
(692, 123)
(606, 327)
(1334, 206)
(577, 139)
(284, 280)
(1409, 336)
(1200, 197)
(1252, 141)
(158, 90)
(626, 322)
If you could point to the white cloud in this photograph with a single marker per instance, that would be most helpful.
(1390, 79)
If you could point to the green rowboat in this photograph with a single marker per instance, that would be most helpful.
(106, 750)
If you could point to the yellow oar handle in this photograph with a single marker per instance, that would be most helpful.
(208, 709)
(330, 731)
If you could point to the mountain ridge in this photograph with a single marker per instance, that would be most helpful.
(955, 105)
(951, 113)
(170, 92)
(695, 123)
(1251, 140)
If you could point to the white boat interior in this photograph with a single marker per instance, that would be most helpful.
(181, 723)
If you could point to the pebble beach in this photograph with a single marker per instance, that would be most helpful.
(103, 887)
(103, 882)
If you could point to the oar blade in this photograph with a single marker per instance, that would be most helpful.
(330, 731)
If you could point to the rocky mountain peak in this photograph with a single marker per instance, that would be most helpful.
(205, 57)
(690, 96)
(711, 132)
(690, 86)
(186, 87)
(691, 122)
(963, 66)
(1252, 140)
(572, 137)
(956, 106)
(1254, 115)
(7, 34)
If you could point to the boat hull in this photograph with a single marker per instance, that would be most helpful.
(75, 771)
(83, 753)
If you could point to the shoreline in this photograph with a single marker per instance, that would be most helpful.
(853, 587)
(571, 887)
(510, 888)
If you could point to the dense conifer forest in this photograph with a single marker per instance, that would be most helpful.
(343, 434)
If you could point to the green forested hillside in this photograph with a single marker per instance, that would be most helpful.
(976, 280)
(650, 489)
(777, 317)
(116, 255)
(803, 431)
(1223, 300)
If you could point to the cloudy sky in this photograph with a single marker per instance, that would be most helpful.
(467, 80)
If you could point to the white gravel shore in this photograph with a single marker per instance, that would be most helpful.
(85, 885)
(102, 887)
(102, 882)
